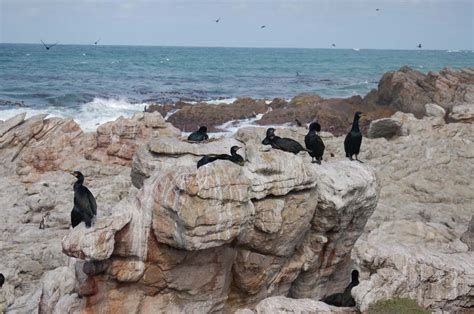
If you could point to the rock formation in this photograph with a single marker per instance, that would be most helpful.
(223, 237)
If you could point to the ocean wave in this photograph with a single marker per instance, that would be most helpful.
(89, 115)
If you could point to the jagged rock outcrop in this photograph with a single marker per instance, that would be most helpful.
(408, 90)
(387, 128)
(225, 236)
(286, 305)
(421, 261)
(462, 113)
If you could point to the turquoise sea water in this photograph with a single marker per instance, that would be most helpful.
(89, 82)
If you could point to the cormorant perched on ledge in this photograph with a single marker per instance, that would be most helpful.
(85, 206)
(2, 280)
(353, 138)
(344, 299)
(199, 135)
(314, 143)
(234, 157)
(285, 144)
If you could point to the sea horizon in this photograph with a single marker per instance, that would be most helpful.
(96, 84)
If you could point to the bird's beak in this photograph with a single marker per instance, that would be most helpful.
(238, 148)
(72, 173)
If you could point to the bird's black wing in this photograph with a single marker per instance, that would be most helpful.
(83, 203)
(347, 145)
(290, 145)
(315, 144)
(92, 202)
(44, 44)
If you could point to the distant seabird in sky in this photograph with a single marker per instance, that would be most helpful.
(334, 45)
(97, 41)
(217, 21)
(263, 26)
(419, 45)
(48, 46)
(377, 9)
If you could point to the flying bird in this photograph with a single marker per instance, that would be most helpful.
(419, 46)
(377, 9)
(217, 21)
(97, 41)
(334, 45)
(48, 46)
(263, 26)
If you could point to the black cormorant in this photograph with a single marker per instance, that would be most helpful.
(199, 135)
(286, 144)
(353, 138)
(344, 299)
(48, 46)
(2, 280)
(314, 142)
(234, 157)
(85, 206)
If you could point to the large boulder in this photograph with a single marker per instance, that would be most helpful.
(415, 260)
(462, 113)
(408, 90)
(387, 128)
(223, 236)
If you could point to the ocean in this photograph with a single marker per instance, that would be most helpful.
(94, 84)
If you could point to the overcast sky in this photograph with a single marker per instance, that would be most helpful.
(399, 24)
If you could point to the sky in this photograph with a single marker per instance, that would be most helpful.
(399, 24)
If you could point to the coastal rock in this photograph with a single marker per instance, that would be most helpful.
(387, 128)
(286, 305)
(166, 153)
(97, 242)
(117, 141)
(468, 236)
(428, 265)
(190, 117)
(9, 124)
(408, 90)
(7, 296)
(433, 110)
(462, 113)
(277, 225)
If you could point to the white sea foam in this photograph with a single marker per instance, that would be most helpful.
(225, 101)
(356, 49)
(89, 116)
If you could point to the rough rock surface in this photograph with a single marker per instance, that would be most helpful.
(462, 113)
(433, 110)
(286, 305)
(408, 90)
(387, 128)
(277, 226)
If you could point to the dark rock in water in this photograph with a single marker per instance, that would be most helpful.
(191, 117)
(9, 103)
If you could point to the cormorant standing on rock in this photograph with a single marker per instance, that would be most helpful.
(314, 143)
(344, 299)
(234, 157)
(353, 138)
(85, 206)
(199, 135)
(2, 280)
(286, 144)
